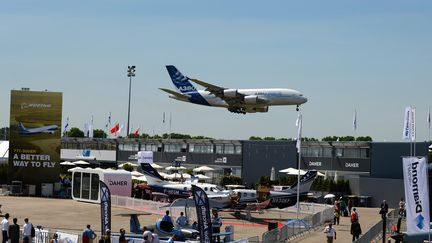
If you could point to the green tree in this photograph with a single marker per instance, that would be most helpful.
(347, 138)
(269, 138)
(75, 133)
(128, 167)
(365, 138)
(99, 133)
(230, 180)
(330, 138)
(254, 138)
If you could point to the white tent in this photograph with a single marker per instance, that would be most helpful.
(136, 173)
(67, 163)
(81, 162)
(127, 163)
(164, 175)
(202, 177)
(292, 171)
(156, 166)
(139, 178)
(175, 168)
(203, 169)
(178, 176)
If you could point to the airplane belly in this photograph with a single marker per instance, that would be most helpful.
(216, 101)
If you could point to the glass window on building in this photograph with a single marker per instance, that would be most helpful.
(351, 152)
(327, 152)
(229, 149)
(339, 152)
(236, 172)
(172, 147)
(77, 184)
(149, 147)
(201, 148)
(364, 153)
(128, 146)
(85, 186)
(219, 148)
(94, 187)
(238, 149)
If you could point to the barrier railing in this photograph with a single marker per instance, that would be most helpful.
(375, 232)
(298, 227)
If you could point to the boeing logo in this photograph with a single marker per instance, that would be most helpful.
(25, 106)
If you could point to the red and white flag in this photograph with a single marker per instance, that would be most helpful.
(136, 133)
(115, 128)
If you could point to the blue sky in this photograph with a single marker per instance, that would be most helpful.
(375, 57)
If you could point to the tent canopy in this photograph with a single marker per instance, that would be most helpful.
(203, 169)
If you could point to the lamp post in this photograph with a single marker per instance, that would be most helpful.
(131, 73)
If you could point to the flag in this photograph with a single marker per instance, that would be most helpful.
(409, 129)
(163, 118)
(105, 203)
(108, 124)
(115, 128)
(86, 129)
(355, 120)
(120, 131)
(416, 194)
(299, 130)
(67, 124)
(91, 128)
(428, 118)
(136, 133)
(203, 214)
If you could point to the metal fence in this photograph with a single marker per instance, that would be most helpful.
(298, 227)
(375, 232)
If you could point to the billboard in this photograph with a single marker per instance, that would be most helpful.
(35, 133)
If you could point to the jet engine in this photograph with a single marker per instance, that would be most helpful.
(254, 99)
(231, 93)
(257, 109)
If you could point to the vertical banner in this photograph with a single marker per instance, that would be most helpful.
(409, 128)
(105, 203)
(203, 214)
(145, 157)
(35, 133)
(416, 194)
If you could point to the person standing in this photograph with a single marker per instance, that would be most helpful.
(355, 230)
(88, 235)
(14, 231)
(354, 215)
(182, 220)
(330, 233)
(384, 209)
(27, 231)
(54, 239)
(122, 238)
(5, 228)
(167, 217)
(216, 224)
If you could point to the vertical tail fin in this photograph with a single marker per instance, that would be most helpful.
(179, 80)
(152, 176)
(305, 181)
(21, 127)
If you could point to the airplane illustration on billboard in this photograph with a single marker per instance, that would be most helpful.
(36, 130)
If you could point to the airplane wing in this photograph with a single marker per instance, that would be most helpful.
(183, 96)
(218, 91)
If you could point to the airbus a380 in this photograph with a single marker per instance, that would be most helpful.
(235, 100)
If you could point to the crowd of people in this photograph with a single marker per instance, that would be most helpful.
(12, 231)
(346, 210)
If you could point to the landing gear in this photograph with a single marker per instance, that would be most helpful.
(237, 110)
(297, 108)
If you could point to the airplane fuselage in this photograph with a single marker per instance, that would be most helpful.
(276, 96)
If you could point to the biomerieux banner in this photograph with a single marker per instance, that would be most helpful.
(35, 137)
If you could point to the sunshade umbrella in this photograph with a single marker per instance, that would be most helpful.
(329, 196)
(203, 169)
(202, 177)
(67, 163)
(156, 166)
(292, 171)
(81, 162)
(136, 173)
(72, 169)
(127, 163)
(175, 168)
(178, 176)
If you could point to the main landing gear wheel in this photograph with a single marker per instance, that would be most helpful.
(297, 108)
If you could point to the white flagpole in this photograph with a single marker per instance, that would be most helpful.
(170, 125)
(355, 123)
(298, 145)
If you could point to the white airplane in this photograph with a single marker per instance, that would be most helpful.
(281, 199)
(29, 131)
(181, 190)
(235, 100)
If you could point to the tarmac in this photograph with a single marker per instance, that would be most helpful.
(72, 216)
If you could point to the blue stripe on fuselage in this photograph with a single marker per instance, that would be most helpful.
(196, 98)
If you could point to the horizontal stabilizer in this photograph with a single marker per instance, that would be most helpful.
(183, 96)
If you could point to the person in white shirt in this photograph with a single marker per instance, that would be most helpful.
(5, 228)
(27, 231)
(182, 220)
(330, 233)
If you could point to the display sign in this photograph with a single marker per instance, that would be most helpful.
(35, 133)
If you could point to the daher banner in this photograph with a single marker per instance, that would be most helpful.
(35, 133)
(416, 194)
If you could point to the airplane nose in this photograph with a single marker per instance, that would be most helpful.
(304, 100)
